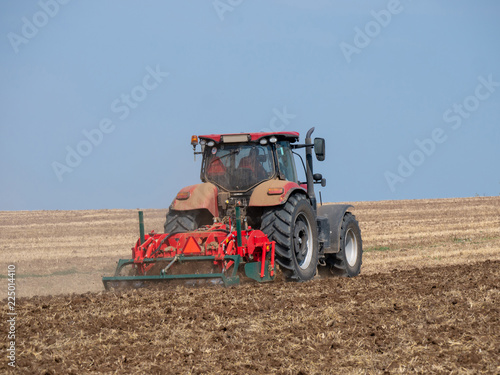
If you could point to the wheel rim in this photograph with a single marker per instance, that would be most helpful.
(351, 248)
(303, 242)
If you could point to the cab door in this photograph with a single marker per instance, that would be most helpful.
(286, 162)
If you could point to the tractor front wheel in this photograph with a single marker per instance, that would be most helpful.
(293, 227)
(181, 221)
(347, 262)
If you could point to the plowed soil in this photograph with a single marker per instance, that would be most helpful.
(427, 300)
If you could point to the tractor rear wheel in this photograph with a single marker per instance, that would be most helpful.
(293, 227)
(181, 221)
(347, 262)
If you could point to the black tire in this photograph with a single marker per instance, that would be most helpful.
(347, 262)
(293, 227)
(181, 221)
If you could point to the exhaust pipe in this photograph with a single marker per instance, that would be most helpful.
(309, 168)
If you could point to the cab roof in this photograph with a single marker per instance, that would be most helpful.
(250, 137)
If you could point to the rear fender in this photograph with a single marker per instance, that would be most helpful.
(261, 197)
(196, 197)
(330, 220)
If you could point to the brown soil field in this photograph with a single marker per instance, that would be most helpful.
(427, 300)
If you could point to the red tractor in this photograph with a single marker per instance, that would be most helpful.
(249, 208)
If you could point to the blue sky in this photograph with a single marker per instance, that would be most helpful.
(98, 100)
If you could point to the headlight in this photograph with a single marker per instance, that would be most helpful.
(273, 139)
(210, 143)
(263, 141)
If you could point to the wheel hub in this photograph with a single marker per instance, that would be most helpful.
(302, 238)
(351, 248)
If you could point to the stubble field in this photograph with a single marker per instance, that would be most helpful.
(427, 300)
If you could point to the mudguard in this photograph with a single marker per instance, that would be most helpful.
(330, 220)
(196, 197)
(261, 197)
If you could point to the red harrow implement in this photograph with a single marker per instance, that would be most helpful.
(221, 247)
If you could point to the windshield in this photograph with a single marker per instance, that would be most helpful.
(239, 167)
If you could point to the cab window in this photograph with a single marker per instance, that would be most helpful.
(285, 161)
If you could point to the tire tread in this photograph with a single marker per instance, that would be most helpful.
(277, 225)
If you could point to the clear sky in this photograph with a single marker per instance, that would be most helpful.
(98, 99)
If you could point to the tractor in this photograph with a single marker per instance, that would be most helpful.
(250, 208)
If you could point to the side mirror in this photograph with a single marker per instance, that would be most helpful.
(318, 179)
(319, 148)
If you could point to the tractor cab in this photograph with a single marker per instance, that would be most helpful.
(240, 162)
(239, 167)
(235, 167)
